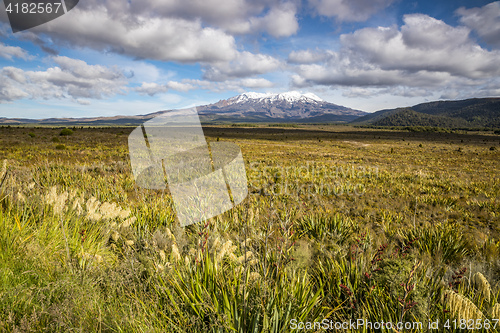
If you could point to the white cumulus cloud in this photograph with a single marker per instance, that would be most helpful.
(244, 65)
(113, 26)
(424, 52)
(70, 78)
(281, 21)
(484, 20)
(187, 31)
(256, 83)
(152, 88)
(11, 52)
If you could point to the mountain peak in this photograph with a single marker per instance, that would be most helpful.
(290, 97)
(287, 106)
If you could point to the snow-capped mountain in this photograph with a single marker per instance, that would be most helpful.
(288, 106)
(248, 107)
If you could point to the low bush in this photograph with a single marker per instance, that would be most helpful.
(66, 131)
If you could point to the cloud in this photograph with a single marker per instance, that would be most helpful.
(423, 32)
(9, 93)
(424, 52)
(308, 56)
(359, 92)
(10, 52)
(349, 10)
(179, 86)
(37, 40)
(484, 20)
(112, 26)
(422, 44)
(82, 101)
(490, 89)
(364, 77)
(229, 15)
(244, 65)
(15, 74)
(187, 31)
(256, 83)
(275, 17)
(3, 27)
(79, 69)
(281, 21)
(71, 78)
(152, 88)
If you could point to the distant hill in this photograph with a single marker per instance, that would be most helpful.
(95, 121)
(469, 113)
(408, 117)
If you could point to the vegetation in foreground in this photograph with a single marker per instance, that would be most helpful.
(340, 224)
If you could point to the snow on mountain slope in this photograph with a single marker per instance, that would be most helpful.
(290, 97)
(292, 105)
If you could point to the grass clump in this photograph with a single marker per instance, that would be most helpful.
(444, 240)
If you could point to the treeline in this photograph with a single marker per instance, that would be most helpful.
(409, 117)
(433, 129)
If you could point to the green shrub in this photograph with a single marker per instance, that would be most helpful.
(60, 147)
(31, 134)
(66, 131)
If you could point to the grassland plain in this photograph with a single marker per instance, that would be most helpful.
(340, 224)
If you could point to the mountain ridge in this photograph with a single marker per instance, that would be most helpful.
(289, 106)
(467, 113)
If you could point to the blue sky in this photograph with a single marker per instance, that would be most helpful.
(127, 57)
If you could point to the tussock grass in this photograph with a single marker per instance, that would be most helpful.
(335, 227)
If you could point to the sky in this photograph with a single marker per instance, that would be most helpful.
(131, 57)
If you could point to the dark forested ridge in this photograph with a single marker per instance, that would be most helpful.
(409, 117)
(472, 113)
